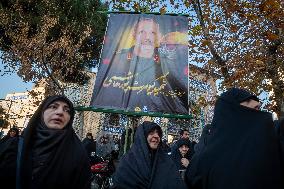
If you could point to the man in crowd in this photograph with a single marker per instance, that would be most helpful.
(242, 151)
(184, 134)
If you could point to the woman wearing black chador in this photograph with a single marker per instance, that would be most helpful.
(242, 151)
(52, 156)
(146, 165)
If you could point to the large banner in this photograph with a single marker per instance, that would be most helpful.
(144, 64)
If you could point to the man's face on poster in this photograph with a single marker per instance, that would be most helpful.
(146, 36)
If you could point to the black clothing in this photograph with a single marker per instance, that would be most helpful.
(136, 83)
(143, 168)
(176, 156)
(242, 150)
(203, 140)
(237, 95)
(279, 126)
(89, 145)
(165, 147)
(8, 158)
(53, 158)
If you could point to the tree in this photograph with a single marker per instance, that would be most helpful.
(51, 39)
(3, 118)
(242, 41)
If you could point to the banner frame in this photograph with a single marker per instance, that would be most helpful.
(132, 12)
(132, 113)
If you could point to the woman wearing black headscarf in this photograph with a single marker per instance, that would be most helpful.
(182, 154)
(52, 156)
(242, 151)
(146, 166)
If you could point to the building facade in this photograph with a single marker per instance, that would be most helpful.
(21, 106)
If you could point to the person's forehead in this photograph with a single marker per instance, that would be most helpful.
(59, 102)
(255, 104)
(254, 101)
(153, 131)
(147, 24)
(183, 146)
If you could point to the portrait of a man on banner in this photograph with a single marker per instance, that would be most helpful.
(144, 64)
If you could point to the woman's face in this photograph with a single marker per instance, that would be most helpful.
(57, 115)
(183, 150)
(102, 139)
(12, 133)
(153, 139)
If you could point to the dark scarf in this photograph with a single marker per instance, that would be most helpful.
(242, 152)
(53, 158)
(236, 96)
(141, 169)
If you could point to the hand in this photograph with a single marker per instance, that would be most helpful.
(184, 162)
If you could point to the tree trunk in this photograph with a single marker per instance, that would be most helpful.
(217, 58)
(277, 83)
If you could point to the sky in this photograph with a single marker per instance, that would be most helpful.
(11, 83)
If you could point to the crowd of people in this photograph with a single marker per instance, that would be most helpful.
(242, 148)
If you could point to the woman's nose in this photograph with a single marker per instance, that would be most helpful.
(59, 110)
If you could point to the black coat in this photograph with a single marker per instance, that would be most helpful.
(242, 150)
(89, 145)
(279, 126)
(53, 158)
(8, 158)
(141, 169)
(203, 140)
